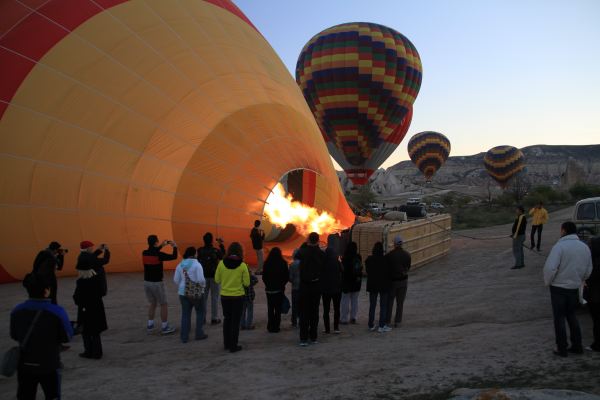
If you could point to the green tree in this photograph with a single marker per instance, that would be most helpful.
(582, 190)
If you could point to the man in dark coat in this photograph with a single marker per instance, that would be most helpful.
(399, 261)
(47, 262)
(89, 290)
(209, 257)
(331, 284)
(39, 361)
(379, 283)
(518, 237)
(257, 235)
(312, 263)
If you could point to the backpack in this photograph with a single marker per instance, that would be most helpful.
(209, 258)
(192, 290)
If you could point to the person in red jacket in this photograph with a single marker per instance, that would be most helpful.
(153, 281)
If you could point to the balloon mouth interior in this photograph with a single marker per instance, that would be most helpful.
(290, 213)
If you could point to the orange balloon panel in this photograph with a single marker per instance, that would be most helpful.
(120, 119)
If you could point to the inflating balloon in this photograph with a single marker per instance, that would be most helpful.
(503, 162)
(120, 119)
(360, 81)
(428, 151)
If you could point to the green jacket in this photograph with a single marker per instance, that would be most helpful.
(233, 276)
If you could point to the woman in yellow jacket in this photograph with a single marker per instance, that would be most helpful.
(233, 276)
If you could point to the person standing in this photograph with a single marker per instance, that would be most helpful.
(190, 269)
(247, 320)
(295, 281)
(379, 283)
(89, 290)
(518, 237)
(47, 262)
(154, 286)
(275, 277)
(331, 284)
(351, 282)
(257, 235)
(592, 293)
(40, 327)
(233, 276)
(209, 257)
(568, 265)
(312, 263)
(540, 217)
(399, 262)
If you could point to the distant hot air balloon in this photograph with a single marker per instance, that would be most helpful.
(503, 162)
(360, 81)
(429, 150)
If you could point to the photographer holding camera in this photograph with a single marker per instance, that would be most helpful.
(153, 281)
(47, 262)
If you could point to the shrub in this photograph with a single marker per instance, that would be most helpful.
(583, 190)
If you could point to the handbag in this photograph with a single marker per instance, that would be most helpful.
(285, 305)
(192, 290)
(10, 360)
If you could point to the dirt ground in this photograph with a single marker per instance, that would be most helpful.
(469, 321)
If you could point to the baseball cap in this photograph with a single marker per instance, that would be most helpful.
(398, 239)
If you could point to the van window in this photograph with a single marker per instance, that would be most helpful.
(586, 211)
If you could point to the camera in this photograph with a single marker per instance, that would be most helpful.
(61, 251)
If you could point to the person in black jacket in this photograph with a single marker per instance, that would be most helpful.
(209, 257)
(351, 282)
(518, 237)
(331, 284)
(154, 287)
(257, 235)
(39, 362)
(592, 292)
(379, 283)
(47, 262)
(399, 262)
(312, 263)
(275, 277)
(89, 290)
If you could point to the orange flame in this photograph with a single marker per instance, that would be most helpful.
(282, 210)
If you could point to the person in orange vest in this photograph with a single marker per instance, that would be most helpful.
(540, 217)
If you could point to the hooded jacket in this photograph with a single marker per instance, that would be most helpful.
(194, 270)
(331, 279)
(312, 264)
(569, 263)
(379, 276)
(399, 262)
(275, 275)
(233, 276)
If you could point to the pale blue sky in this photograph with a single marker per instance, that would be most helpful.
(518, 72)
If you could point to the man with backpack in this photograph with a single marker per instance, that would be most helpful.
(209, 257)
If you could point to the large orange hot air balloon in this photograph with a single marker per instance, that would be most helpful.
(428, 151)
(120, 119)
(360, 80)
(503, 162)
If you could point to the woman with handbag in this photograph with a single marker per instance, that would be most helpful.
(189, 278)
(275, 276)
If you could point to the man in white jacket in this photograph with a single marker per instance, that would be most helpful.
(567, 267)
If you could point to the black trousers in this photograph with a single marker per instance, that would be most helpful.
(327, 299)
(28, 383)
(537, 228)
(564, 304)
(232, 314)
(274, 311)
(92, 345)
(310, 297)
(595, 313)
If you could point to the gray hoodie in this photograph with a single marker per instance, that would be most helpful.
(569, 263)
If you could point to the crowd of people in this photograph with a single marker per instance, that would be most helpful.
(212, 273)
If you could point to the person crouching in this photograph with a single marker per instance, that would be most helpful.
(89, 290)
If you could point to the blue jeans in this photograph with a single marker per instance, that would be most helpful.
(186, 317)
(212, 291)
(247, 314)
(518, 250)
(383, 300)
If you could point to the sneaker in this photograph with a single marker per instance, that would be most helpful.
(384, 329)
(150, 328)
(314, 342)
(372, 328)
(167, 330)
(337, 331)
(235, 349)
(303, 344)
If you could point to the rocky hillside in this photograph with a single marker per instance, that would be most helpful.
(559, 166)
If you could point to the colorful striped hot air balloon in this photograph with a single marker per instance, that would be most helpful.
(429, 151)
(360, 81)
(503, 162)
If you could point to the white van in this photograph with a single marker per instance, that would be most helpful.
(413, 201)
(586, 217)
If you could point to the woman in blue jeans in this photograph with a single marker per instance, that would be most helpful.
(191, 269)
